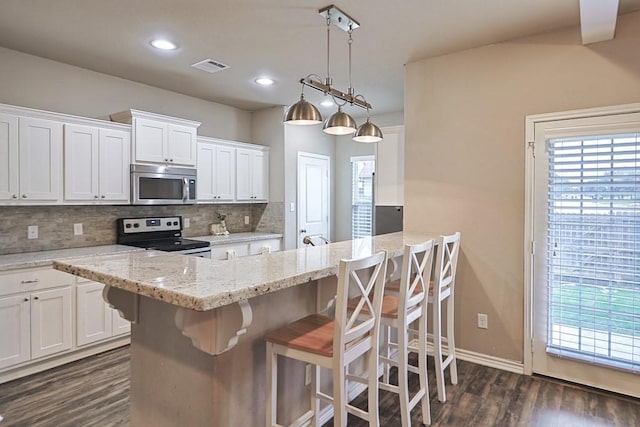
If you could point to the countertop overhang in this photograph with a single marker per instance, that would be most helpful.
(202, 284)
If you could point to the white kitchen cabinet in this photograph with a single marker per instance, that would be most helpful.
(30, 159)
(119, 325)
(15, 332)
(51, 322)
(161, 139)
(216, 172)
(8, 157)
(241, 249)
(96, 164)
(252, 175)
(93, 316)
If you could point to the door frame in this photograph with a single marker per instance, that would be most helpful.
(330, 216)
(529, 214)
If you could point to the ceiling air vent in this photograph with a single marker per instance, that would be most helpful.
(210, 66)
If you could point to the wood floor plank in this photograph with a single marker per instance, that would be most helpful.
(94, 392)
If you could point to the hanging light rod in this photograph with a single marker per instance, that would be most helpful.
(328, 90)
(340, 123)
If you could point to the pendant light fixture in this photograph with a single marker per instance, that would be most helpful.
(340, 123)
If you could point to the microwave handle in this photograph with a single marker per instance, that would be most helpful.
(185, 189)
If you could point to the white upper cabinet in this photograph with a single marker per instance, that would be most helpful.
(161, 139)
(390, 168)
(216, 171)
(8, 157)
(30, 160)
(96, 164)
(252, 175)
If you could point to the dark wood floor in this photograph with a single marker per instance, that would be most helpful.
(94, 392)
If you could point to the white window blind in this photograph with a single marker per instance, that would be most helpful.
(362, 196)
(593, 249)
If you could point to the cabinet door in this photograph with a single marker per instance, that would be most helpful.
(182, 145)
(119, 324)
(80, 162)
(114, 176)
(8, 157)
(206, 170)
(225, 173)
(40, 143)
(51, 322)
(93, 315)
(14, 330)
(243, 175)
(151, 141)
(260, 175)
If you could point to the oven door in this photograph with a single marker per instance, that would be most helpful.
(149, 188)
(199, 252)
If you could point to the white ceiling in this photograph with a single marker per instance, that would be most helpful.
(284, 39)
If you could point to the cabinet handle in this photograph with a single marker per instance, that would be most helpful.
(24, 196)
(24, 282)
(102, 197)
(15, 196)
(171, 160)
(166, 160)
(95, 196)
(26, 299)
(36, 298)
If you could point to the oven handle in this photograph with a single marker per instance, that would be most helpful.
(185, 189)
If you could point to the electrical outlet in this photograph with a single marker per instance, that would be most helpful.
(307, 373)
(246, 220)
(77, 229)
(32, 232)
(186, 222)
(483, 321)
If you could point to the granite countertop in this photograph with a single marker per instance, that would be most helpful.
(45, 258)
(203, 284)
(237, 237)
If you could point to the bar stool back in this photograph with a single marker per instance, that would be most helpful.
(334, 343)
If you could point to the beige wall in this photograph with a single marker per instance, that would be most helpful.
(34, 82)
(465, 152)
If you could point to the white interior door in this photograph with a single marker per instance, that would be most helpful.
(313, 197)
(586, 263)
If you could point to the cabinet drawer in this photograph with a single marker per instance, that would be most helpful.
(256, 247)
(32, 279)
(220, 251)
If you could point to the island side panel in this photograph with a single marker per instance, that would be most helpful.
(173, 383)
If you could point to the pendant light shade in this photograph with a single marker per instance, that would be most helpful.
(302, 113)
(339, 124)
(368, 132)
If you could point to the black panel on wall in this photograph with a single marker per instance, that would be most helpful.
(388, 219)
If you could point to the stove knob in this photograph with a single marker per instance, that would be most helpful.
(136, 225)
(168, 222)
(127, 225)
(175, 222)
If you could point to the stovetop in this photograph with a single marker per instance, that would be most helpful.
(159, 233)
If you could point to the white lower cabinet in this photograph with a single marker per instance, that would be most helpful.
(34, 325)
(96, 321)
(40, 309)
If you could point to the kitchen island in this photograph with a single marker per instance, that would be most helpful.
(197, 353)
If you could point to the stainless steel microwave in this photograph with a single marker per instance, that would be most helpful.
(162, 185)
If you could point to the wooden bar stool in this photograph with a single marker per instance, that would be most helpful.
(399, 312)
(334, 343)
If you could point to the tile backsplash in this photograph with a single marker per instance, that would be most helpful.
(56, 223)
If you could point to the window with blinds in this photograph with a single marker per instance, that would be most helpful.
(593, 249)
(362, 169)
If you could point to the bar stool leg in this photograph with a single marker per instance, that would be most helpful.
(451, 345)
(403, 380)
(339, 395)
(272, 385)
(437, 349)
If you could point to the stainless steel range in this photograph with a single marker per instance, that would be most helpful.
(161, 234)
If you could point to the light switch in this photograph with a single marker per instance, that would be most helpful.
(32, 232)
(77, 229)
(187, 222)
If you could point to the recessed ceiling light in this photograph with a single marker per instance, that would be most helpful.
(163, 44)
(327, 103)
(264, 81)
